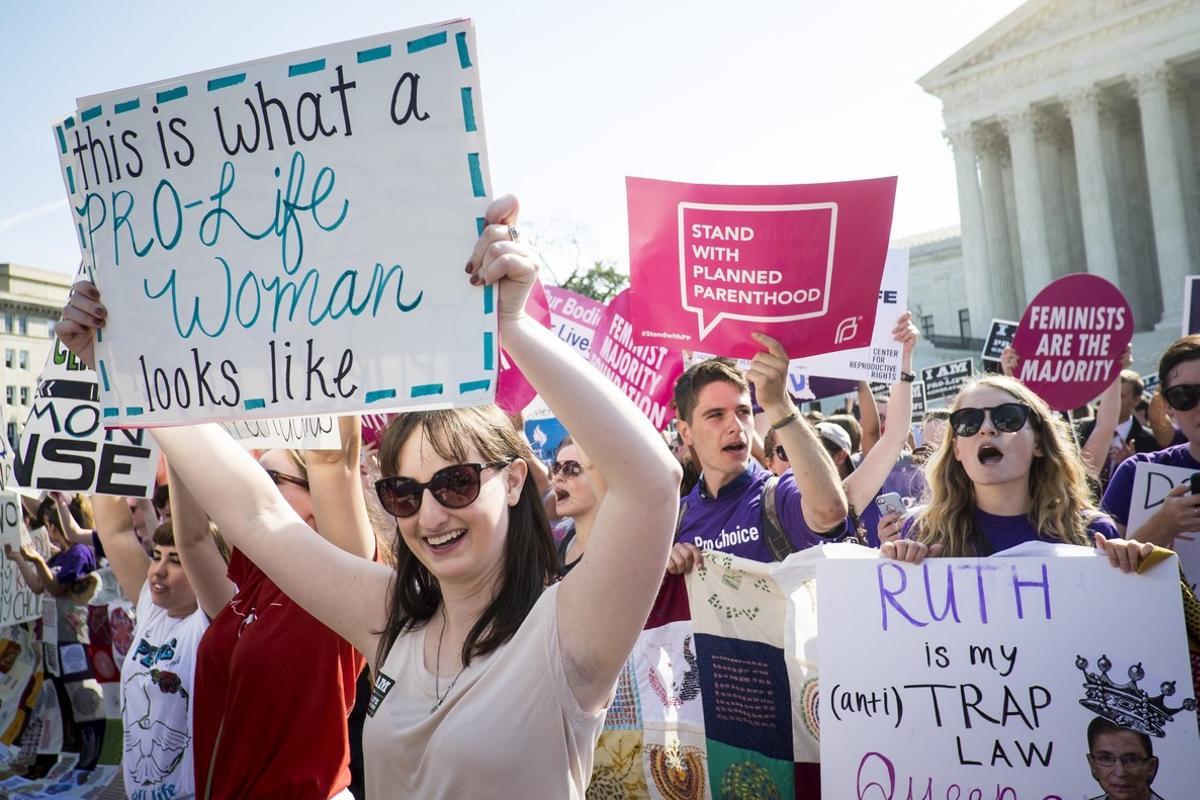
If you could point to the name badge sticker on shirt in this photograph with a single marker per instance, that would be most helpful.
(383, 685)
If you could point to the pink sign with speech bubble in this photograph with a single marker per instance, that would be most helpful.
(710, 264)
(646, 373)
(1071, 338)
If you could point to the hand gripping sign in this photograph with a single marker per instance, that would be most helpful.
(1070, 339)
(712, 264)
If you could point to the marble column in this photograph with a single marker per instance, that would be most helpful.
(1099, 241)
(1031, 213)
(974, 234)
(1048, 130)
(1166, 188)
(1179, 99)
(1005, 285)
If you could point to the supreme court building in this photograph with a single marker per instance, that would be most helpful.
(1075, 131)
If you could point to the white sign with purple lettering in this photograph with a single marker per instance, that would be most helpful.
(287, 236)
(995, 678)
(1151, 482)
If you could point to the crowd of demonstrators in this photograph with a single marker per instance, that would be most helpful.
(249, 673)
(471, 634)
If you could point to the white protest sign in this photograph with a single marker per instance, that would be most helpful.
(65, 446)
(1151, 482)
(296, 433)
(573, 317)
(979, 678)
(881, 360)
(17, 602)
(945, 379)
(292, 231)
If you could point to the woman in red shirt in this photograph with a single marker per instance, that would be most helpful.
(273, 685)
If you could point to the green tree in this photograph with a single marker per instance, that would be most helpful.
(601, 282)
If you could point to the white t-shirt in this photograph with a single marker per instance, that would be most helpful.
(157, 692)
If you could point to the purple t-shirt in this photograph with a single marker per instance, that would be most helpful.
(72, 564)
(732, 521)
(1003, 532)
(1119, 494)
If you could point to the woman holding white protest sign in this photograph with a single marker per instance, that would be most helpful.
(1008, 473)
(473, 638)
(862, 484)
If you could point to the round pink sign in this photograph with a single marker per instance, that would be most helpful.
(513, 391)
(1071, 338)
(647, 373)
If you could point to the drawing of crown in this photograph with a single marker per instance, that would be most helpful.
(1125, 704)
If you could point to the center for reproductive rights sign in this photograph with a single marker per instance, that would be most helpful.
(730, 257)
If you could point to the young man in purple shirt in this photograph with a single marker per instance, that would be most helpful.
(725, 510)
(1179, 379)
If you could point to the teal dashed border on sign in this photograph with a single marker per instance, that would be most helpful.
(228, 80)
(426, 390)
(380, 394)
(316, 65)
(474, 166)
(375, 53)
(468, 110)
(426, 42)
(62, 139)
(464, 57)
(171, 94)
(476, 174)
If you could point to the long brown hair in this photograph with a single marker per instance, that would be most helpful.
(1061, 507)
(530, 559)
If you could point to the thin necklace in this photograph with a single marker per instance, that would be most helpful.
(437, 669)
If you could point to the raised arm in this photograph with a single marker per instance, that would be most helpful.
(1095, 450)
(70, 528)
(249, 510)
(24, 560)
(335, 485)
(114, 526)
(202, 562)
(822, 500)
(864, 483)
(868, 414)
(637, 515)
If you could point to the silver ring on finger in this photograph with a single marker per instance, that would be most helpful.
(513, 234)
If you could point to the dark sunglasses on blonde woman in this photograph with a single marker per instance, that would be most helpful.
(1006, 418)
(455, 486)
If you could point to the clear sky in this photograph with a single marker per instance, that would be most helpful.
(576, 96)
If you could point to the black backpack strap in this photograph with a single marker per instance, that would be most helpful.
(777, 539)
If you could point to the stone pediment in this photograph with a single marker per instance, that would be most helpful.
(1035, 24)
